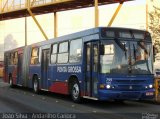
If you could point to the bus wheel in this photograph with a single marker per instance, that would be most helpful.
(35, 86)
(11, 82)
(75, 92)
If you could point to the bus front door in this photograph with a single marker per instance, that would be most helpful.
(44, 68)
(91, 77)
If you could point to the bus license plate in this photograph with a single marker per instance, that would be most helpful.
(149, 93)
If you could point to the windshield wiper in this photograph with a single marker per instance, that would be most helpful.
(122, 46)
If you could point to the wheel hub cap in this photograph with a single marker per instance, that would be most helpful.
(75, 91)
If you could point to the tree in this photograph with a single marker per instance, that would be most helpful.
(9, 42)
(154, 26)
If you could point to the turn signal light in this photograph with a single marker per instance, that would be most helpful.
(102, 86)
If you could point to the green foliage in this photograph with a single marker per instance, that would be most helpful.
(154, 27)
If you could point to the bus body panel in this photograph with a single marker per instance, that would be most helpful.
(13, 72)
(125, 95)
(25, 66)
(19, 69)
(61, 75)
(34, 70)
(135, 87)
(55, 77)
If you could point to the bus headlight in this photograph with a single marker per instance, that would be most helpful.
(150, 86)
(108, 86)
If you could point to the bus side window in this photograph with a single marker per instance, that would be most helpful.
(11, 62)
(107, 58)
(15, 60)
(54, 53)
(34, 56)
(75, 51)
(95, 65)
(63, 52)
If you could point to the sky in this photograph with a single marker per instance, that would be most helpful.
(132, 15)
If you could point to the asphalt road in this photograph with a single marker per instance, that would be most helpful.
(19, 101)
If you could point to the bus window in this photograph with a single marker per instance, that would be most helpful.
(63, 52)
(34, 56)
(11, 61)
(54, 53)
(15, 60)
(88, 56)
(107, 58)
(75, 51)
(95, 67)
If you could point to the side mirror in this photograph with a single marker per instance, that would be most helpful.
(101, 49)
(154, 53)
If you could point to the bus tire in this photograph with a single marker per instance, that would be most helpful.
(75, 92)
(11, 82)
(35, 85)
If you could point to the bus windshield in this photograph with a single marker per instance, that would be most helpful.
(126, 57)
(141, 57)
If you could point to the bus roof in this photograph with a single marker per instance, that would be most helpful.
(80, 34)
(83, 33)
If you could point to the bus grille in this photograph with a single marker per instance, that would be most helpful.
(130, 81)
(129, 87)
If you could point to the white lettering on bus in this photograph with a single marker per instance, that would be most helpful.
(74, 69)
(61, 69)
(70, 69)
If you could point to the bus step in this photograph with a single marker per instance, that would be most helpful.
(92, 98)
(44, 89)
(19, 85)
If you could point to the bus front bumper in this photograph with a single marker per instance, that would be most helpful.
(126, 95)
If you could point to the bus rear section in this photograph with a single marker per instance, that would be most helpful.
(16, 66)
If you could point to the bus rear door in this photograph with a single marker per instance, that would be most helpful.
(91, 77)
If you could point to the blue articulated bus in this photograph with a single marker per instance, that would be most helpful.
(101, 63)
